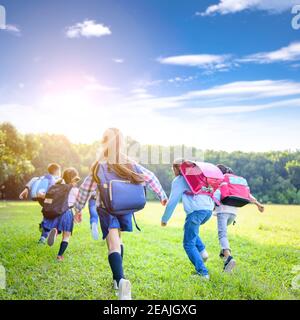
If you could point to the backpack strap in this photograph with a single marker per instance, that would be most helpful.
(99, 179)
(136, 225)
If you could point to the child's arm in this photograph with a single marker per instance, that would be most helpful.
(85, 190)
(153, 183)
(175, 196)
(260, 206)
(25, 192)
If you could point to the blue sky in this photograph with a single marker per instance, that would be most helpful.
(216, 74)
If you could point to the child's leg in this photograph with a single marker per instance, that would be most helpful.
(224, 220)
(64, 243)
(114, 254)
(222, 233)
(121, 245)
(94, 218)
(199, 244)
(45, 233)
(191, 231)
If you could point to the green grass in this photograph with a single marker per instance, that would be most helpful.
(266, 247)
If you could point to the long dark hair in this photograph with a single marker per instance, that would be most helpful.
(224, 168)
(112, 146)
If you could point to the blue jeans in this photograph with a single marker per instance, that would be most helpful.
(192, 243)
(94, 218)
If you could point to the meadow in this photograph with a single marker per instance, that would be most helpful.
(266, 247)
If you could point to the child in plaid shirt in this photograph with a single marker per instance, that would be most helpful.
(113, 225)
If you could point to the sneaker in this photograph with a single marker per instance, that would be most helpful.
(52, 236)
(124, 290)
(229, 264)
(95, 232)
(60, 258)
(204, 255)
(42, 240)
(205, 277)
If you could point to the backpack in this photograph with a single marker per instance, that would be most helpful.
(56, 201)
(41, 185)
(235, 191)
(202, 178)
(119, 196)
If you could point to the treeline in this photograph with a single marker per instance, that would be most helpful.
(274, 177)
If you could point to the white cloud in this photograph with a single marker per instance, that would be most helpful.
(248, 89)
(118, 60)
(13, 29)
(87, 28)
(213, 63)
(203, 61)
(140, 93)
(231, 109)
(233, 6)
(285, 54)
(93, 84)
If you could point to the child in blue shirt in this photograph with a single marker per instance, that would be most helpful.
(198, 210)
(54, 173)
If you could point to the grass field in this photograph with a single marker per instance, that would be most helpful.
(266, 247)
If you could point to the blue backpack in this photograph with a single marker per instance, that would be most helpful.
(119, 196)
(41, 185)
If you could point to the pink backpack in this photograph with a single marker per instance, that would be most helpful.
(202, 178)
(235, 191)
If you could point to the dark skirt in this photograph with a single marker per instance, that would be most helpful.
(63, 223)
(108, 221)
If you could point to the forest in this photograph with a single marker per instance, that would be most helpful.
(274, 176)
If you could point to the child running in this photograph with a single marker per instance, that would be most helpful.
(57, 210)
(39, 186)
(94, 219)
(226, 216)
(198, 210)
(108, 175)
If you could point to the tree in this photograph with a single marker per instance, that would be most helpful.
(293, 169)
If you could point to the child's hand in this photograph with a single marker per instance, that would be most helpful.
(163, 224)
(78, 217)
(164, 202)
(261, 208)
(24, 194)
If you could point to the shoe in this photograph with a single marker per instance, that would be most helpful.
(42, 240)
(60, 258)
(95, 231)
(52, 237)
(124, 290)
(204, 255)
(229, 264)
(205, 277)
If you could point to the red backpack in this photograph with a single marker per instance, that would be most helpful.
(235, 191)
(202, 178)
